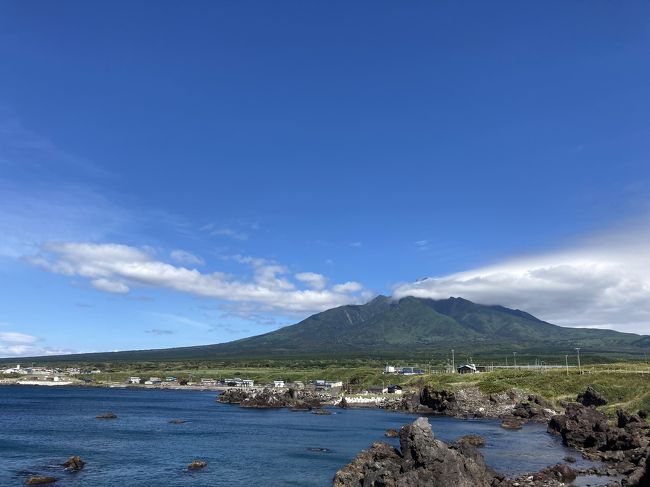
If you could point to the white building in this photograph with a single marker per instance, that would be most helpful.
(278, 383)
(389, 369)
(134, 380)
(247, 383)
(15, 370)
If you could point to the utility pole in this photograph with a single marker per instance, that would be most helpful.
(515, 355)
(566, 361)
(578, 352)
(453, 362)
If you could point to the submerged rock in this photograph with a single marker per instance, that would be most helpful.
(74, 464)
(512, 424)
(391, 433)
(40, 480)
(473, 440)
(321, 412)
(107, 416)
(197, 465)
(176, 421)
(421, 461)
(319, 450)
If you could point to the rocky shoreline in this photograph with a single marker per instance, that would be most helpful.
(623, 447)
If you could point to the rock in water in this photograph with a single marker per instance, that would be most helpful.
(107, 416)
(74, 464)
(422, 461)
(197, 465)
(391, 433)
(473, 440)
(40, 480)
(512, 424)
(176, 421)
(591, 397)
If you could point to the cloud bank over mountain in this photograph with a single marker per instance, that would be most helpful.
(602, 282)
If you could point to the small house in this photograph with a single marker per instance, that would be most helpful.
(394, 389)
(278, 383)
(377, 390)
(467, 369)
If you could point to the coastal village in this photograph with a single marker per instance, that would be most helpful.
(55, 376)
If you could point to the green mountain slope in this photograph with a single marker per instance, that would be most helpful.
(385, 327)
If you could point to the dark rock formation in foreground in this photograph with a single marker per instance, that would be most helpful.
(421, 461)
(587, 428)
(624, 445)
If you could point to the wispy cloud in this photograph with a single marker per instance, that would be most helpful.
(240, 231)
(422, 245)
(356, 244)
(159, 332)
(186, 258)
(119, 268)
(603, 282)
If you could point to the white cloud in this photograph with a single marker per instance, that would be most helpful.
(356, 244)
(186, 258)
(13, 337)
(15, 344)
(602, 282)
(312, 279)
(116, 268)
(115, 287)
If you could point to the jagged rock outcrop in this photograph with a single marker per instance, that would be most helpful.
(591, 397)
(470, 402)
(421, 461)
(298, 400)
(587, 428)
(640, 477)
(534, 408)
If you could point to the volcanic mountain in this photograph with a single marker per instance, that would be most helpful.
(386, 327)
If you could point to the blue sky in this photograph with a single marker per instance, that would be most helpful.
(187, 173)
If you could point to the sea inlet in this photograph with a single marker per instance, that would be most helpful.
(40, 427)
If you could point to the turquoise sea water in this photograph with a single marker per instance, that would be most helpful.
(40, 427)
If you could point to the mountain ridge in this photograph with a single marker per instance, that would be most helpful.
(386, 326)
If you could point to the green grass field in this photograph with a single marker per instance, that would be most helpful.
(625, 385)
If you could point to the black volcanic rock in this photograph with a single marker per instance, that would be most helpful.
(591, 397)
(587, 428)
(421, 461)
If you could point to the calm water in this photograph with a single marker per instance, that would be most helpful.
(42, 426)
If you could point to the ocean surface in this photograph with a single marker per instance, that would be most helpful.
(40, 427)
